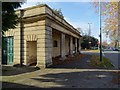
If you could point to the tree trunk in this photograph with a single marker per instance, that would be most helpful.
(115, 44)
(118, 44)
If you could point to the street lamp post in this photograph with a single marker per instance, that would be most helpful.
(89, 32)
(100, 31)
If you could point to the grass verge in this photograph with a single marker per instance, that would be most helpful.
(95, 62)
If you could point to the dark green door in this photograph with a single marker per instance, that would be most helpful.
(9, 50)
(4, 50)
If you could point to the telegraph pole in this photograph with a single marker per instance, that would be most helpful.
(100, 30)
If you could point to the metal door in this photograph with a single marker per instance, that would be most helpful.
(4, 50)
(9, 50)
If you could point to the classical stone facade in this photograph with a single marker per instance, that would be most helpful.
(42, 35)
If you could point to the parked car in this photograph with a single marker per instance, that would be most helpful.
(108, 49)
(111, 49)
(115, 49)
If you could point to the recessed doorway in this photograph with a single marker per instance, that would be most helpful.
(32, 53)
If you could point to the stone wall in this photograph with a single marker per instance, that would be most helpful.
(40, 29)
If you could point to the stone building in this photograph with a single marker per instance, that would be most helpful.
(40, 36)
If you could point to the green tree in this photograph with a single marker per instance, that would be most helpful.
(88, 42)
(9, 18)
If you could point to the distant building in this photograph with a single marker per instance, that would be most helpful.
(40, 36)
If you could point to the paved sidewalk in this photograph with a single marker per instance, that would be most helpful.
(75, 74)
(62, 78)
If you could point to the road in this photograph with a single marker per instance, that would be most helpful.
(113, 56)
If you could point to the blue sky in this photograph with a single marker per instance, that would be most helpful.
(78, 14)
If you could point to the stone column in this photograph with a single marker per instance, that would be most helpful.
(71, 45)
(75, 45)
(62, 46)
(79, 45)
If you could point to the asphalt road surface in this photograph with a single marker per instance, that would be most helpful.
(114, 57)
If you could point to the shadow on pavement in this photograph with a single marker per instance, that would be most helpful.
(83, 79)
(86, 79)
(15, 70)
(6, 85)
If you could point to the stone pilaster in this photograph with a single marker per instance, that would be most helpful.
(18, 41)
(41, 48)
(16, 45)
(44, 47)
(48, 46)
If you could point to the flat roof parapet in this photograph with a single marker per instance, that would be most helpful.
(44, 9)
